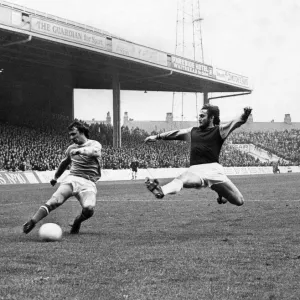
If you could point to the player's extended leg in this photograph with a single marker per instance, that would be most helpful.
(58, 198)
(229, 191)
(186, 180)
(87, 200)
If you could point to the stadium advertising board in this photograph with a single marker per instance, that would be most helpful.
(34, 177)
(14, 178)
(229, 171)
(68, 33)
(242, 147)
(192, 66)
(14, 18)
(5, 16)
(241, 171)
(46, 176)
(139, 52)
(264, 170)
(289, 169)
(231, 78)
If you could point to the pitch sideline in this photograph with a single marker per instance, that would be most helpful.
(167, 201)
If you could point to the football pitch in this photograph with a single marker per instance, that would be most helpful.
(135, 247)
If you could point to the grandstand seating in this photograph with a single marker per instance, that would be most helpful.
(27, 146)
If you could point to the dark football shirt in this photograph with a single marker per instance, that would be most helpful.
(134, 165)
(205, 145)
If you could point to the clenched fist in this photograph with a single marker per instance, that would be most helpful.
(53, 182)
(151, 138)
(246, 114)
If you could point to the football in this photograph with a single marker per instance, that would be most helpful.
(50, 232)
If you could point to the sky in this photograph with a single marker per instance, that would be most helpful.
(254, 38)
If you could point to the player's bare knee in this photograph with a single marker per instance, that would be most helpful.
(54, 202)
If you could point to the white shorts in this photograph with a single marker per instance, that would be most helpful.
(212, 173)
(80, 184)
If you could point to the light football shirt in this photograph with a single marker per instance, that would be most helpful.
(83, 165)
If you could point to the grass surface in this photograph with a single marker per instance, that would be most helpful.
(135, 247)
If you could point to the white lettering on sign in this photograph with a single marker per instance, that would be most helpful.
(192, 66)
(242, 147)
(231, 77)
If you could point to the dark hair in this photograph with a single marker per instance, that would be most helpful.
(81, 128)
(213, 111)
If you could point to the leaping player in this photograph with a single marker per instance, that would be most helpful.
(84, 157)
(206, 143)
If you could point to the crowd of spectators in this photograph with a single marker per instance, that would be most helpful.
(25, 148)
(285, 144)
(30, 147)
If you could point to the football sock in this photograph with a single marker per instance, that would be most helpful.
(85, 214)
(81, 218)
(172, 187)
(42, 212)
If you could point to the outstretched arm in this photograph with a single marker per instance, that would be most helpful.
(226, 129)
(181, 135)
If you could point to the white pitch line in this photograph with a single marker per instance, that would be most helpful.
(160, 200)
(191, 200)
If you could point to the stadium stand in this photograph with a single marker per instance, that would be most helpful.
(38, 143)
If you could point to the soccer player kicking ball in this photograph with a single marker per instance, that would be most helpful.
(84, 156)
(206, 143)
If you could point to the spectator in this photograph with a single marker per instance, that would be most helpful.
(27, 146)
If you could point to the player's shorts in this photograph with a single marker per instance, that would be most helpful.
(80, 185)
(212, 173)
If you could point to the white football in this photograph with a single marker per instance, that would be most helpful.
(50, 232)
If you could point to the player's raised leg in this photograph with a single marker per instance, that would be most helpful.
(186, 180)
(58, 198)
(154, 187)
(229, 191)
(87, 200)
